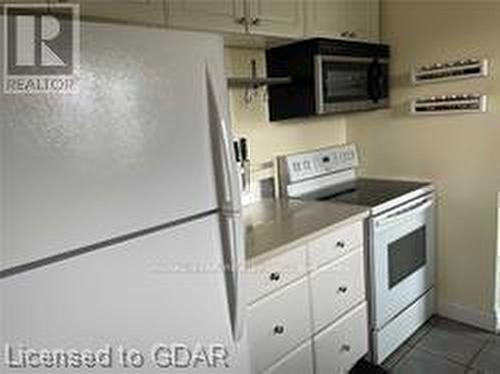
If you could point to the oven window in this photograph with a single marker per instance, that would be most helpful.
(406, 256)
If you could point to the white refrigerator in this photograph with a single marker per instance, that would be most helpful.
(120, 227)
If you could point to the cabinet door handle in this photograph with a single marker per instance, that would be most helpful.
(279, 330)
(340, 244)
(275, 277)
(241, 20)
(256, 21)
(345, 348)
(343, 289)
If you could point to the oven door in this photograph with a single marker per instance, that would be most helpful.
(346, 83)
(402, 257)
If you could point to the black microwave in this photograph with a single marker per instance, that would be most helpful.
(328, 76)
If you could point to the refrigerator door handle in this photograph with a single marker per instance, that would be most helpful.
(226, 168)
(237, 301)
(233, 231)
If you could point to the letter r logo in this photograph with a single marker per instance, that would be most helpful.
(39, 42)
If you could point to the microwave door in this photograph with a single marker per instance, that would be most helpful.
(342, 83)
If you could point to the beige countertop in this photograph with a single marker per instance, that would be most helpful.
(274, 224)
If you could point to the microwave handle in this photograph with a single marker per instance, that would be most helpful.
(374, 84)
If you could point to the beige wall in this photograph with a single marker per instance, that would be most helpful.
(461, 154)
(270, 139)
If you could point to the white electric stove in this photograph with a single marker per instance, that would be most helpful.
(400, 233)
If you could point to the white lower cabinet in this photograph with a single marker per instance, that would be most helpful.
(279, 323)
(300, 361)
(313, 319)
(341, 345)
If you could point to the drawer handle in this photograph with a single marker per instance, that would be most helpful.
(275, 277)
(340, 244)
(279, 330)
(343, 289)
(345, 348)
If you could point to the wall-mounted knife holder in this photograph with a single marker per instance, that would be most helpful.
(243, 162)
(449, 104)
(439, 72)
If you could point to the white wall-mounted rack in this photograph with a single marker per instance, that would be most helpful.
(449, 104)
(453, 70)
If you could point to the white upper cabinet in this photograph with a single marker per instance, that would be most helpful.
(364, 19)
(349, 19)
(148, 12)
(259, 17)
(213, 15)
(276, 17)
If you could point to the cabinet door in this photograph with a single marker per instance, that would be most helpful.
(340, 346)
(364, 19)
(350, 19)
(150, 12)
(326, 18)
(215, 15)
(337, 288)
(278, 323)
(276, 17)
(275, 273)
(299, 361)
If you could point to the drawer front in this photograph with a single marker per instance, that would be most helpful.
(340, 346)
(337, 288)
(299, 361)
(276, 273)
(278, 323)
(335, 244)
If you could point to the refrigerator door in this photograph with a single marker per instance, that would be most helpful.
(131, 151)
(151, 293)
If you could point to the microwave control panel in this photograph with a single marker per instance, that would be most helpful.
(319, 162)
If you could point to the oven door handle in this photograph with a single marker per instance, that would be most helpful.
(404, 213)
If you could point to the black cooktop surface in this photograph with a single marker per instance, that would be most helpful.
(370, 192)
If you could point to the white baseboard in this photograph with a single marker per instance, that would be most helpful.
(470, 316)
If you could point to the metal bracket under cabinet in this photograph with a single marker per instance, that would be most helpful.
(449, 104)
(453, 70)
(254, 81)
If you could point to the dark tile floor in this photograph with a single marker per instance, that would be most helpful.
(446, 347)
